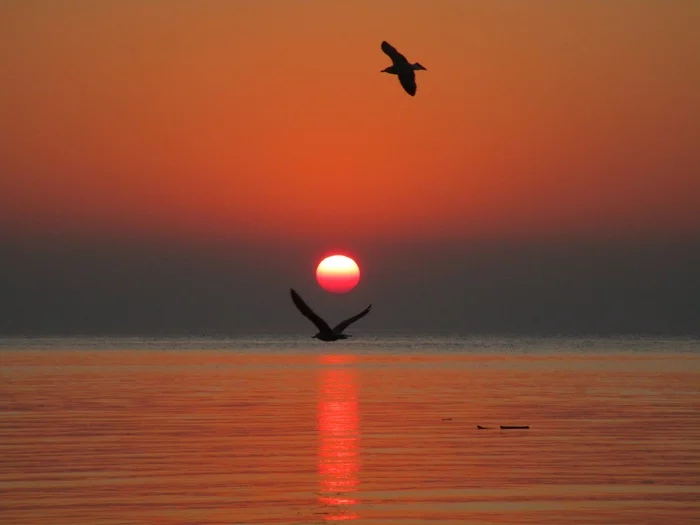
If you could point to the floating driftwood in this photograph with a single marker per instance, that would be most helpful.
(506, 427)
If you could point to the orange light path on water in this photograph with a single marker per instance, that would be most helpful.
(338, 425)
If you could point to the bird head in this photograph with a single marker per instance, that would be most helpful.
(417, 66)
(385, 70)
(315, 336)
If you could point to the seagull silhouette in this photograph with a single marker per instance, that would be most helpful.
(325, 333)
(402, 67)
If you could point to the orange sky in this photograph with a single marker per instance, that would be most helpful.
(271, 118)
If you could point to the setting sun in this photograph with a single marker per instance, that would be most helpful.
(338, 274)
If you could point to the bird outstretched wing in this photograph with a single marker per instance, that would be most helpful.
(395, 56)
(309, 313)
(344, 324)
(408, 81)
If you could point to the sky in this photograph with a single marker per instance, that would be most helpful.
(177, 166)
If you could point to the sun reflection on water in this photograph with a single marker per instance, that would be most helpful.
(338, 424)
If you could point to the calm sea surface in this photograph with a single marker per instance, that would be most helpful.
(382, 430)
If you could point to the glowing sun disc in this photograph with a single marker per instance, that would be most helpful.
(338, 274)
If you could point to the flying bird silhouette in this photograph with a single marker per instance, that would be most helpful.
(402, 68)
(325, 333)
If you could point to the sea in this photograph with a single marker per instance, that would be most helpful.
(383, 428)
